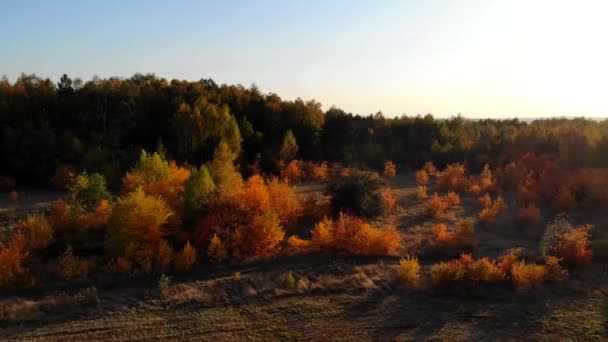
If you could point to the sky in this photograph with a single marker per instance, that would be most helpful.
(482, 58)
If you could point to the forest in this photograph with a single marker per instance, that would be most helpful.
(50, 129)
(161, 179)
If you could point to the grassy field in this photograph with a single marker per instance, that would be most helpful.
(331, 298)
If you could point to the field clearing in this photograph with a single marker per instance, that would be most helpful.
(343, 299)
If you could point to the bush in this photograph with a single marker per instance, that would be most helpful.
(573, 247)
(421, 193)
(352, 235)
(185, 258)
(390, 170)
(553, 233)
(292, 172)
(505, 264)
(435, 206)
(135, 228)
(356, 194)
(484, 271)
(555, 272)
(488, 216)
(527, 275)
(12, 261)
(37, 231)
(70, 266)
(446, 274)
(474, 189)
(485, 201)
(463, 237)
(388, 198)
(452, 199)
(289, 280)
(296, 245)
(409, 269)
(422, 177)
(528, 214)
(429, 168)
(452, 178)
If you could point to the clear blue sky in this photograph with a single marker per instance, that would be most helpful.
(480, 58)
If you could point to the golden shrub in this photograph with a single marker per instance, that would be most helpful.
(409, 269)
(527, 275)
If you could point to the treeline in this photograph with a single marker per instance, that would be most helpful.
(49, 130)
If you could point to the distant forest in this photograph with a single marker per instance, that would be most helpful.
(103, 124)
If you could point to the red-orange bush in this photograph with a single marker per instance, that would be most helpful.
(422, 177)
(435, 206)
(12, 261)
(485, 201)
(388, 198)
(452, 178)
(463, 235)
(390, 170)
(292, 172)
(352, 235)
(430, 169)
(573, 247)
(452, 199)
